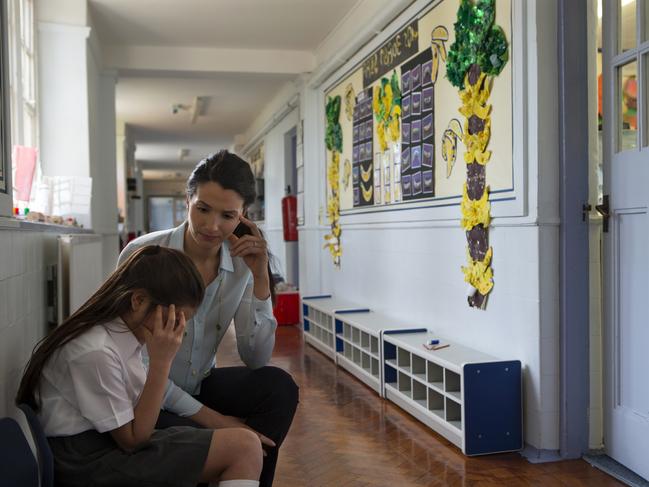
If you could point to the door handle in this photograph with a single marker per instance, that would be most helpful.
(605, 211)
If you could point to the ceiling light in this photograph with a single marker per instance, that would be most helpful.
(198, 107)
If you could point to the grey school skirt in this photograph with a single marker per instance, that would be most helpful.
(172, 457)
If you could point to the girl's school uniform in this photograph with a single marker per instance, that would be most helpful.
(89, 387)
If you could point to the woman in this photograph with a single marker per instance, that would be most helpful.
(99, 405)
(232, 258)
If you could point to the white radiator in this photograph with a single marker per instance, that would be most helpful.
(79, 272)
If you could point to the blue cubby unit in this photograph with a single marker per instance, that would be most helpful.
(471, 398)
(492, 413)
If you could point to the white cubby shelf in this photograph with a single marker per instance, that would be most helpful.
(358, 343)
(318, 321)
(469, 397)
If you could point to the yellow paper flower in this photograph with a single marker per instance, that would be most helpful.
(476, 144)
(376, 100)
(474, 98)
(387, 97)
(387, 113)
(475, 212)
(333, 209)
(479, 273)
(380, 134)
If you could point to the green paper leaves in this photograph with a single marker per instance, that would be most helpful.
(334, 134)
(477, 41)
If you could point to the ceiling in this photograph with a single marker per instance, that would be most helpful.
(144, 98)
(233, 102)
(273, 24)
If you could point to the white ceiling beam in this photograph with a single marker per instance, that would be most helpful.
(206, 59)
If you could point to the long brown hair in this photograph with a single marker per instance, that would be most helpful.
(167, 275)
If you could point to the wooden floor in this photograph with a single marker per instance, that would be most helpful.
(344, 435)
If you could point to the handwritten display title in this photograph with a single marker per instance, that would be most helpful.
(391, 54)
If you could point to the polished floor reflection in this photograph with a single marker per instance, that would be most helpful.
(344, 435)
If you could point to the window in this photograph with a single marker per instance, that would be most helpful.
(5, 153)
(22, 93)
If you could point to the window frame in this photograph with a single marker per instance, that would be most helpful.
(6, 197)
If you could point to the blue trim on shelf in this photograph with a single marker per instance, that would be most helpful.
(306, 324)
(399, 332)
(352, 310)
(390, 373)
(305, 310)
(389, 351)
(339, 326)
(320, 296)
(493, 414)
(339, 345)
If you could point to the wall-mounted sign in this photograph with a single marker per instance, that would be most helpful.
(401, 46)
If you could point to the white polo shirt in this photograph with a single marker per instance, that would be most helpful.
(92, 382)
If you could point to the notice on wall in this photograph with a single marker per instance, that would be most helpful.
(401, 131)
(401, 46)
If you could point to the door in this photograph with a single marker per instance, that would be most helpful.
(166, 212)
(625, 60)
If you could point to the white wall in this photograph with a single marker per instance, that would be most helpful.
(275, 184)
(103, 157)
(63, 100)
(69, 12)
(412, 270)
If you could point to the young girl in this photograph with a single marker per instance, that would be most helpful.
(99, 405)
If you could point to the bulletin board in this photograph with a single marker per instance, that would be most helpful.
(417, 160)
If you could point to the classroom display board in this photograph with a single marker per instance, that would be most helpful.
(412, 104)
(398, 134)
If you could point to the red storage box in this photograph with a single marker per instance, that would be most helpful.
(287, 308)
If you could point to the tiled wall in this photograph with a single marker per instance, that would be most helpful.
(24, 256)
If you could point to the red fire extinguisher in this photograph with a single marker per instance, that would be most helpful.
(289, 216)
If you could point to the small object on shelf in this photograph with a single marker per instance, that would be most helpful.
(433, 344)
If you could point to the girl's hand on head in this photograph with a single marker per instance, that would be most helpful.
(164, 337)
(252, 248)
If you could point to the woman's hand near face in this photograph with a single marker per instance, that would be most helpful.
(163, 337)
(253, 249)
